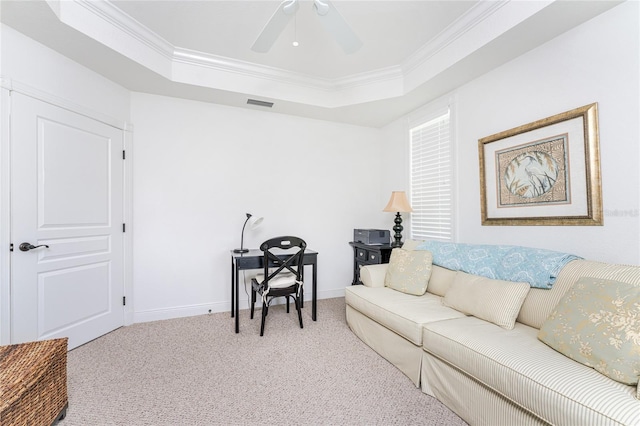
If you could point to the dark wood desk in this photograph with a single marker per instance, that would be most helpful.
(254, 259)
(365, 254)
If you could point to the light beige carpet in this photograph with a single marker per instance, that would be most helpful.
(197, 371)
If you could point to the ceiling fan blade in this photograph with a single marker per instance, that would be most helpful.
(336, 25)
(275, 26)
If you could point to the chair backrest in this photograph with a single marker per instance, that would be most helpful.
(280, 254)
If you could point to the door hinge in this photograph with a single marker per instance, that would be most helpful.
(11, 247)
(124, 300)
(124, 228)
(123, 154)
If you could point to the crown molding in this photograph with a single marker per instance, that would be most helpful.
(115, 17)
(469, 20)
(205, 60)
(109, 25)
(393, 73)
(250, 69)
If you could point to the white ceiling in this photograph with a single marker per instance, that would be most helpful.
(229, 28)
(413, 51)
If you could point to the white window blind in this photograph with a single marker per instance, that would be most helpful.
(431, 179)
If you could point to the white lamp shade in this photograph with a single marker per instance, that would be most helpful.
(254, 222)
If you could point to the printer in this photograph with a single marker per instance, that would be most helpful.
(371, 236)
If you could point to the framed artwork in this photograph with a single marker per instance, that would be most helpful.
(543, 173)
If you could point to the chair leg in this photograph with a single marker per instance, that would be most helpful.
(299, 311)
(253, 300)
(287, 303)
(265, 308)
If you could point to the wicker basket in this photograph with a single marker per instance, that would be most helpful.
(33, 383)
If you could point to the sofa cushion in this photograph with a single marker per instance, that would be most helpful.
(597, 323)
(409, 271)
(540, 303)
(518, 366)
(373, 275)
(410, 244)
(440, 281)
(495, 301)
(400, 312)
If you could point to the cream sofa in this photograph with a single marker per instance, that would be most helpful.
(486, 374)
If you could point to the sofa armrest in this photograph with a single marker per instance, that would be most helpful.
(373, 275)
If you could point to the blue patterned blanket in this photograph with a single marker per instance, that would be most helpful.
(538, 267)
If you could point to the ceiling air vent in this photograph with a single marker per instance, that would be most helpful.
(259, 103)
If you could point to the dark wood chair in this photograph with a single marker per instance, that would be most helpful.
(282, 276)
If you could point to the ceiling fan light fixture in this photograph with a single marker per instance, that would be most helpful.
(331, 20)
(321, 7)
(290, 7)
(275, 26)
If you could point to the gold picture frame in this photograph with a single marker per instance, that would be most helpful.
(543, 173)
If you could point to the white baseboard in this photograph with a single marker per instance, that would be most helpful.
(205, 308)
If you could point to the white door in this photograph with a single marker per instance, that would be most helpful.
(67, 194)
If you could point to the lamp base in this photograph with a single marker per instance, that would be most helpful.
(397, 238)
(241, 250)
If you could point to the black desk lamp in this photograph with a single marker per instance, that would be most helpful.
(254, 222)
(398, 203)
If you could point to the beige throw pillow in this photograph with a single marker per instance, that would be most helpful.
(411, 244)
(409, 271)
(495, 301)
(441, 279)
(597, 323)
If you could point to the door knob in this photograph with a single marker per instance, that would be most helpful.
(29, 246)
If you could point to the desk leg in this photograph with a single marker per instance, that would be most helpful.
(315, 292)
(233, 292)
(237, 303)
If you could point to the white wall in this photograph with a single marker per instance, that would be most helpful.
(595, 62)
(30, 65)
(199, 167)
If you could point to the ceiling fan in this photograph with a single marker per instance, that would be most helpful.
(331, 19)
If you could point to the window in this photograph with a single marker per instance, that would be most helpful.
(431, 177)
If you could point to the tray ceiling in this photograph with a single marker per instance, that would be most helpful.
(413, 51)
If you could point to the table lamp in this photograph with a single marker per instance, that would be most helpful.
(398, 203)
(253, 222)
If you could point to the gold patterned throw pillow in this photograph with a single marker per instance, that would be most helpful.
(597, 323)
(409, 271)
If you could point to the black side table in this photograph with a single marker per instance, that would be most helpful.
(364, 254)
